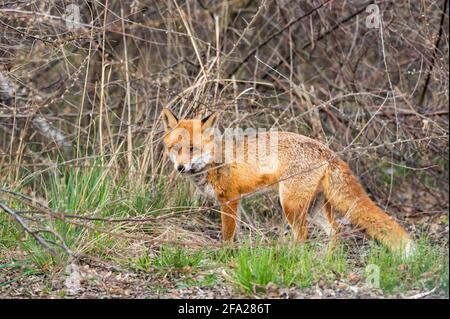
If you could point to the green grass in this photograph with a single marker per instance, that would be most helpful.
(91, 189)
(177, 258)
(426, 269)
(26, 270)
(224, 255)
(152, 201)
(304, 265)
(208, 280)
(75, 189)
(169, 258)
(286, 265)
(141, 263)
(185, 268)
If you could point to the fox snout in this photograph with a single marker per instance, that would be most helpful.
(184, 168)
(196, 163)
(187, 170)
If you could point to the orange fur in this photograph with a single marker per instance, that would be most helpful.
(305, 169)
(346, 195)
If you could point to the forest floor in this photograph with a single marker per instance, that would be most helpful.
(262, 263)
(206, 277)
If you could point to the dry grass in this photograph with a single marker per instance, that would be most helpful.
(79, 111)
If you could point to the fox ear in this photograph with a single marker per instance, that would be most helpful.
(209, 121)
(169, 119)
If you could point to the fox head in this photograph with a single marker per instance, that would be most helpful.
(189, 142)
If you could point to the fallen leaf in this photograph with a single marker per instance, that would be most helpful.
(354, 278)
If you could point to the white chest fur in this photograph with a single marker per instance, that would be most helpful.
(201, 184)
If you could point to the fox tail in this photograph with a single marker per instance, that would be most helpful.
(346, 195)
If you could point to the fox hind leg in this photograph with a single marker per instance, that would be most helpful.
(322, 215)
(334, 225)
(329, 214)
(319, 216)
(295, 209)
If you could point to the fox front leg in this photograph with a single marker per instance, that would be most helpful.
(229, 215)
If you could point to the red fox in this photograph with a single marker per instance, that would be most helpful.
(302, 169)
